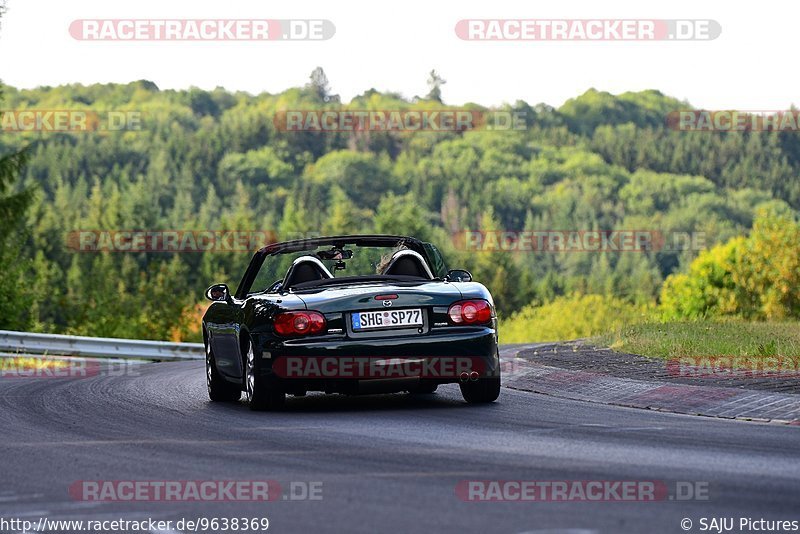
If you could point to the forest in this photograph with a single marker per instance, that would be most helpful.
(197, 160)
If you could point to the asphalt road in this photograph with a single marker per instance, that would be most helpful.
(387, 463)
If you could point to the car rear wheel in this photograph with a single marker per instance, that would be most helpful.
(261, 393)
(483, 390)
(219, 389)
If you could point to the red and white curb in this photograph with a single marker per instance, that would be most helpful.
(710, 401)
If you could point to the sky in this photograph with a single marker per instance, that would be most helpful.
(393, 46)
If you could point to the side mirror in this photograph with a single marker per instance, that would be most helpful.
(458, 275)
(218, 292)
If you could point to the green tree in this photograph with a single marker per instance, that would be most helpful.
(14, 203)
(435, 83)
(756, 277)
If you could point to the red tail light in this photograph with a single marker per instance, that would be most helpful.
(470, 312)
(299, 323)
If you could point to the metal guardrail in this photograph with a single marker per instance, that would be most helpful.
(97, 347)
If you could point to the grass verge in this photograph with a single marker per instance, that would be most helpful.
(706, 338)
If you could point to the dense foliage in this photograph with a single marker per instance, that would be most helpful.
(756, 277)
(215, 160)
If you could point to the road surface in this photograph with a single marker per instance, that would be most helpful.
(387, 463)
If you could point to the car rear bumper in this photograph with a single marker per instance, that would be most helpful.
(347, 365)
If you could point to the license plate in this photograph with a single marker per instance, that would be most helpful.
(387, 319)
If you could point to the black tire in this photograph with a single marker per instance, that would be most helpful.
(219, 389)
(481, 391)
(261, 392)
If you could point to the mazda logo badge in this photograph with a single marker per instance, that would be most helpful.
(387, 303)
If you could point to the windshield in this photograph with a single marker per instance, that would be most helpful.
(436, 260)
(347, 261)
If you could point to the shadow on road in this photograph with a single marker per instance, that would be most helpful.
(321, 403)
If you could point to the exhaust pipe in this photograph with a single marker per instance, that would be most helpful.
(473, 376)
(463, 376)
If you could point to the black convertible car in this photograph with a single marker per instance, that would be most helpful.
(350, 314)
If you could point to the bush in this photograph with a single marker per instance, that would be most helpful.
(572, 317)
(757, 277)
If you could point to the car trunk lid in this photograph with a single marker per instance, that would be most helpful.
(378, 310)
